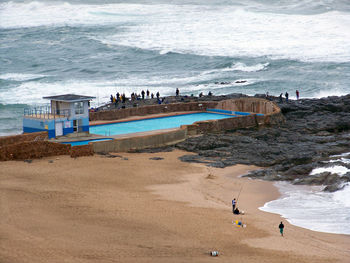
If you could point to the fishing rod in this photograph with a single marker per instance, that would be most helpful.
(239, 193)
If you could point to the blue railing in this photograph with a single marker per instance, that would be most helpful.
(233, 112)
(45, 112)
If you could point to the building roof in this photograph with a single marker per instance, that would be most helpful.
(69, 98)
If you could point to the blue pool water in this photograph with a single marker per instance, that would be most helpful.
(85, 142)
(154, 124)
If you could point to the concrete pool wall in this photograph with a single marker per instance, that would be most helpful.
(141, 142)
(253, 105)
(271, 116)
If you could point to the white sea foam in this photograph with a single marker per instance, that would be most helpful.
(329, 92)
(198, 29)
(243, 67)
(32, 92)
(336, 169)
(20, 76)
(309, 207)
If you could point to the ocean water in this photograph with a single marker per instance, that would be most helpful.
(310, 207)
(97, 48)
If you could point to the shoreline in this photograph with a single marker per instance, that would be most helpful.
(289, 196)
(133, 208)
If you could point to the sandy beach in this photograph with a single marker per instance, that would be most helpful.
(135, 209)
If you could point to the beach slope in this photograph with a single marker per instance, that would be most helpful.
(132, 208)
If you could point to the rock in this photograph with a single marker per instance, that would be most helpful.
(314, 130)
(333, 187)
(156, 158)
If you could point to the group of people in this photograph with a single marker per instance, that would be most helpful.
(237, 212)
(118, 98)
(201, 94)
(145, 95)
(287, 96)
(134, 96)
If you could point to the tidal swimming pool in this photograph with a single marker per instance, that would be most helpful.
(154, 123)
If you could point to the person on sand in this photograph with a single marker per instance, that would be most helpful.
(281, 227)
(233, 205)
(236, 211)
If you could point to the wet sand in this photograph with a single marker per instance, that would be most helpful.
(134, 209)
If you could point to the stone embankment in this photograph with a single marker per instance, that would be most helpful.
(35, 145)
(315, 129)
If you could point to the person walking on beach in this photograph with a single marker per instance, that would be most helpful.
(281, 227)
(233, 205)
(297, 94)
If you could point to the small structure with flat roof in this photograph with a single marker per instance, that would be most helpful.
(66, 114)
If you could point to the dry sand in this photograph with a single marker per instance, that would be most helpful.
(133, 209)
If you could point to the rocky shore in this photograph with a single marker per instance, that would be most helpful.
(315, 131)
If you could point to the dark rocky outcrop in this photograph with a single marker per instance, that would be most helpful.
(314, 130)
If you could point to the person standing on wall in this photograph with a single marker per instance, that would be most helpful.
(297, 94)
(287, 95)
(177, 92)
(281, 227)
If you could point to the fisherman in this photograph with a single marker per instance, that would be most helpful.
(233, 205)
(281, 99)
